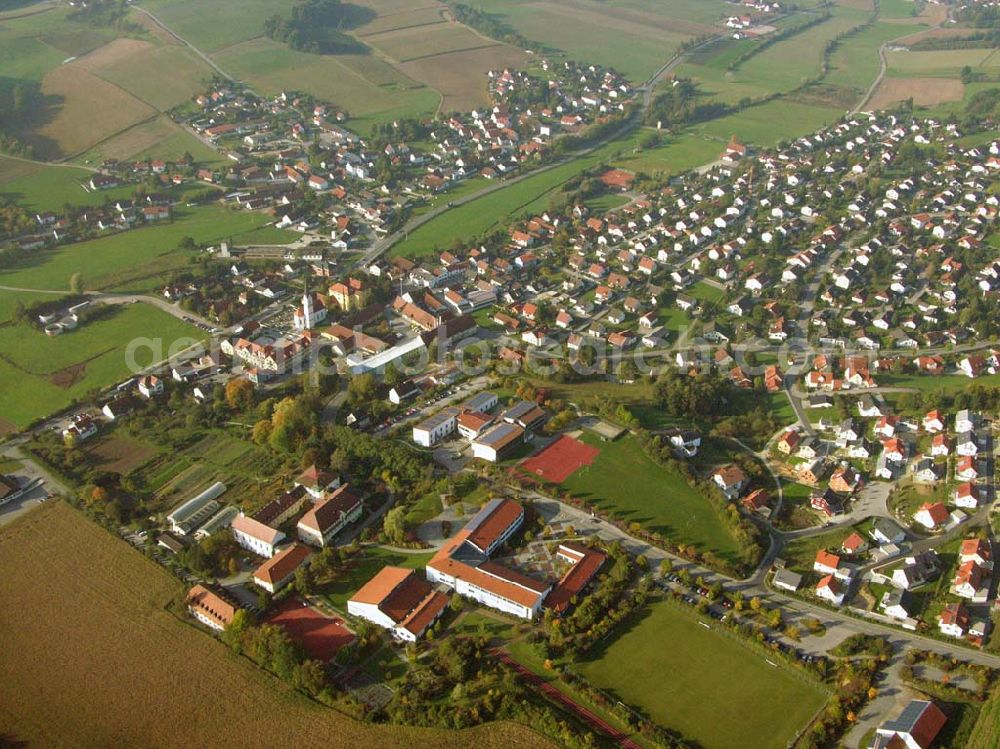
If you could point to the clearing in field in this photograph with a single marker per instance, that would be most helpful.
(322, 636)
(625, 482)
(924, 91)
(559, 460)
(58, 693)
(426, 46)
(715, 691)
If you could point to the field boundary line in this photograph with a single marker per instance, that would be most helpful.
(493, 43)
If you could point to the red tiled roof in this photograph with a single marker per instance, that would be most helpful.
(282, 564)
(327, 512)
(577, 576)
(825, 558)
(211, 605)
(493, 525)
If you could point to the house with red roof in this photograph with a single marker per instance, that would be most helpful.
(329, 516)
(915, 728)
(209, 608)
(279, 570)
(931, 515)
(399, 600)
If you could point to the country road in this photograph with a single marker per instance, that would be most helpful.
(208, 60)
(113, 298)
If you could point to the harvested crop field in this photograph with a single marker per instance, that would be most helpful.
(145, 136)
(559, 460)
(460, 77)
(119, 455)
(423, 41)
(95, 660)
(402, 19)
(138, 67)
(322, 636)
(924, 91)
(86, 110)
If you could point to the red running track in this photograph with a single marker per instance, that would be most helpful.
(598, 724)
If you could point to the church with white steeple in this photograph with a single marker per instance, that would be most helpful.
(311, 312)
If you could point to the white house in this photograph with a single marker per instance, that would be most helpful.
(255, 536)
(830, 589)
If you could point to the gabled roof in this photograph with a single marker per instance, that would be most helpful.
(282, 564)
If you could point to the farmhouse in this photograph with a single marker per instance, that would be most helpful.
(329, 516)
(931, 515)
(400, 601)
(730, 479)
(278, 571)
(210, 608)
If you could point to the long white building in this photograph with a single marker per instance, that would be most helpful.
(464, 564)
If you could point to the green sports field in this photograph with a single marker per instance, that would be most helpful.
(626, 483)
(712, 689)
(47, 374)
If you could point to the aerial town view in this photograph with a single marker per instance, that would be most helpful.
(502, 373)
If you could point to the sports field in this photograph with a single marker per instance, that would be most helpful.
(559, 460)
(626, 483)
(712, 689)
(320, 635)
(86, 655)
(40, 375)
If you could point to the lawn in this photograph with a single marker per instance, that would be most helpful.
(57, 693)
(362, 568)
(800, 553)
(47, 374)
(710, 688)
(675, 155)
(48, 188)
(424, 509)
(767, 124)
(134, 260)
(937, 383)
(626, 483)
